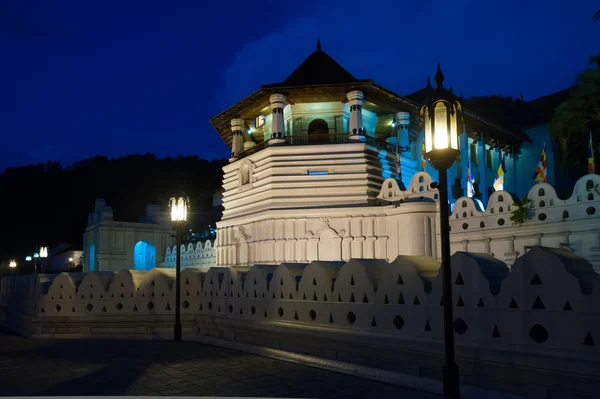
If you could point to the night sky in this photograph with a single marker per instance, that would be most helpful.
(83, 78)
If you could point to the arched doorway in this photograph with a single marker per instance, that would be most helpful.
(144, 256)
(318, 131)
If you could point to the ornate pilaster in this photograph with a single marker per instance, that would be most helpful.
(404, 121)
(277, 121)
(355, 101)
(237, 142)
(510, 255)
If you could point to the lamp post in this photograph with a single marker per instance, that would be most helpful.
(43, 255)
(441, 145)
(179, 208)
(35, 262)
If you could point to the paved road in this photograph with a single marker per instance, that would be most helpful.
(54, 367)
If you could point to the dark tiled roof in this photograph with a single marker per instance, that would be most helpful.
(429, 94)
(540, 110)
(317, 69)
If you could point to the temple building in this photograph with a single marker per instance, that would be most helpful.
(322, 103)
(325, 166)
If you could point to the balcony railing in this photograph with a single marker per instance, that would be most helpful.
(316, 139)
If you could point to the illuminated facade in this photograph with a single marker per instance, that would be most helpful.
(305, 185)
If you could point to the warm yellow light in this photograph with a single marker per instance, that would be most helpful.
(70, 259)
(178, 209)
(43, 252)
(181, 208)
(441, 127)
(13, 263)
(428, 138)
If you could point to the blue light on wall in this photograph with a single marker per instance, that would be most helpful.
(92, 257)
(144, 256)
(317, 173)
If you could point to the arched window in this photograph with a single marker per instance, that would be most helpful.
(318, 131)
(318, 126)
(245, 175)
(589, 185)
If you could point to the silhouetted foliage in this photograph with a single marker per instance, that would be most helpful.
(46, 204)
(576, 118)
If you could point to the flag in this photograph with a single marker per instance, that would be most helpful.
(541, 173)
(499, 181)
(423, 161)
(591, 164)
(470, 182)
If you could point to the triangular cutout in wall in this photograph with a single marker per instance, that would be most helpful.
(459, 279)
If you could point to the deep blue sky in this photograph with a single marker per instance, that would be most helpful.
(83, 78)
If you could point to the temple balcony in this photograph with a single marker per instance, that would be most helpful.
(320, 139)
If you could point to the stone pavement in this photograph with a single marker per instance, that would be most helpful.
(85, 367)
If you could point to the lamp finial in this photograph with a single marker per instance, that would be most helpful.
(439, 77)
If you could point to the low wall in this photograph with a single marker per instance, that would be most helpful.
(536, 325)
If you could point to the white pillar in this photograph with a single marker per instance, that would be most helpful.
(481, 168)
(355, 101)
(277, 122)
(237, 127)
(403, 120)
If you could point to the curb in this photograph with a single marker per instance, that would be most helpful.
(423, 384)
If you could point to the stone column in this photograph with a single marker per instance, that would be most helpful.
(237, 141)
(481, 169)
(355, 101)
(277, 122)
(511, 165)
(403, 120)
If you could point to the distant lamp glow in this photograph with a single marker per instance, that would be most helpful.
(36, 255)
(393, 124)
(178, 209)
(70, 259)
(249, 131)
(28, 258)
(178, 217)
(12, 263)
(43, 252)
(260, 121)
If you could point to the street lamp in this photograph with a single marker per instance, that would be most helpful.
(43, 255)
(35, 259)
(12, 264)
(179, 209)
(441, 146)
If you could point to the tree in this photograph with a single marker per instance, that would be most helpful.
(46, 204)
(574, 119)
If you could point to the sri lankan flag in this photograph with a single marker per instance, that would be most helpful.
(541, 172)
(423, 161)
(591, 164)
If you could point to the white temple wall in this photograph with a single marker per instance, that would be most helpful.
(328, 234)
(109, 245)
(541, 316)
(199, 255)
(573, 223)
